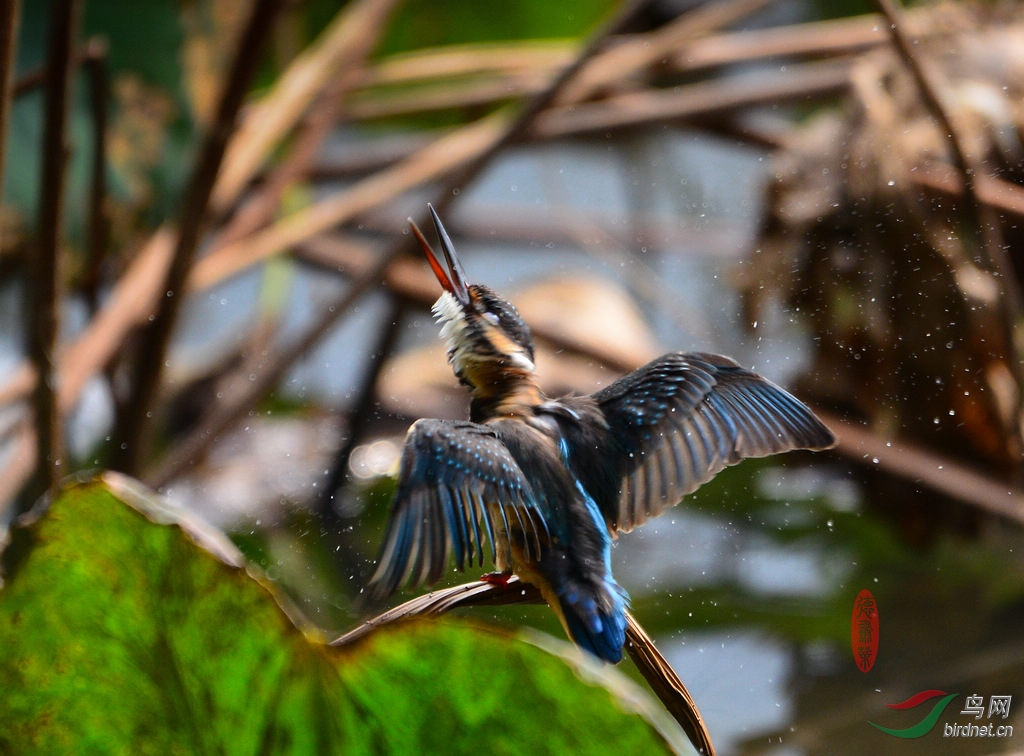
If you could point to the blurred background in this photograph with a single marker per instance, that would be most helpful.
(207, 282)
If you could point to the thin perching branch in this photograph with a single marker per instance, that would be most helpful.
(44, 267)
(649, 661)
(137, 414)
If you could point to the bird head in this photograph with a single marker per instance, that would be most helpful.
(488, 342)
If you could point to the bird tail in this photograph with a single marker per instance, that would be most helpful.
(595, 618)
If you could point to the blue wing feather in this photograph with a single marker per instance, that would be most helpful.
(682, 418)
(453, 477)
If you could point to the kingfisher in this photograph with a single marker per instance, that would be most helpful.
(549, 483)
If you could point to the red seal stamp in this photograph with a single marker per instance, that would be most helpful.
(864, 630)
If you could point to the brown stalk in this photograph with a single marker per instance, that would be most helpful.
(435, 160)
(10, 15)
(685, 50)
(20, 443)
(363, 410)
(37, 77)
(1001, 195)
(454, 61)
(654, 668)
(524, 71)
(339, 56)
(260, 379)
(99, 225)
(939, 473)
(831, 38)
(620, 63)
(343, 45)
(135, 420)
(637, 109)
(436, 603)
(132, 302)
(651, 107)
(258, 210)
(667, 685)
(479, 91)
(44, 270)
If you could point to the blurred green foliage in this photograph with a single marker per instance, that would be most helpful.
(429, 23)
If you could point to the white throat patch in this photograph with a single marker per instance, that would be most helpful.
(450, 315)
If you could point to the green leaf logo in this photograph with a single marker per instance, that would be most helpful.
(925, 725)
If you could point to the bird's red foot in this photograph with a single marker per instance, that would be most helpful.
(497, 578)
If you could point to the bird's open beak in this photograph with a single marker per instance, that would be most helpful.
(452, 280)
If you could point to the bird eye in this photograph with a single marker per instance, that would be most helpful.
(491, 317)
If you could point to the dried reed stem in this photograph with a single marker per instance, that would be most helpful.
(339, 50)
(10, 15)
(135, 420)
(44, 271)
(99, 222)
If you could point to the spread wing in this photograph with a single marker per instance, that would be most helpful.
(683, 417)
(455, 477)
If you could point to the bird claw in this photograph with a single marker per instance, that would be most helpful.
(497, 578)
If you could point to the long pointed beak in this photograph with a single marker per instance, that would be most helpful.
(452, 279)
